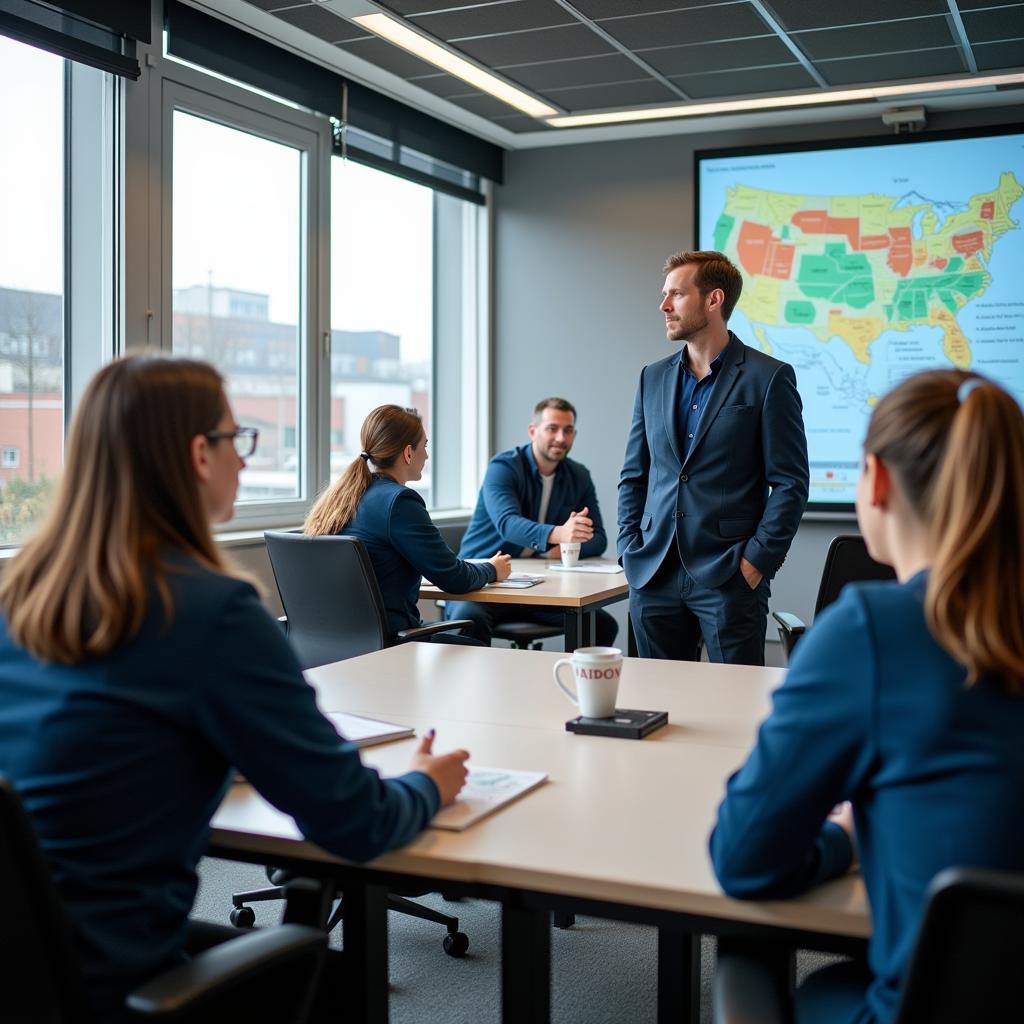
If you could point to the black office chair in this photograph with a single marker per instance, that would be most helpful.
(521, 635)
(270, 974)
(965, 965)
(331, 599)
(334, 611)
(847, 561)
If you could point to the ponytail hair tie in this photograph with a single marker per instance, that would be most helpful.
(967, 387)
(364, 456)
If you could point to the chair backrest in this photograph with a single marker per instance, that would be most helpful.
(847, 561)
(330, 595)
(39, 975)
(966, 965)
(452, 534)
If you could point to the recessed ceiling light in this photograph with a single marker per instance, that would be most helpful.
(775, 102)
(401, 35)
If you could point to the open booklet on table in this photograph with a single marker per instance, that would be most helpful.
(514, 581)
(485, 791)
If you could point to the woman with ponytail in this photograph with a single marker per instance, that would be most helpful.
(371, 501)
(138, 672)
(905, 699)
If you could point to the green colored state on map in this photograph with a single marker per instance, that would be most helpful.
(722, 231)
(797, 312)
(913, 295)
(838, 276)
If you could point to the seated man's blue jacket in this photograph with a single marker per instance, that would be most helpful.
(404, 545)
(873, 710)
(508, 509)
(122, 760)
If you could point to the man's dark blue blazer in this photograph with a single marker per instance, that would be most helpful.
(741, 490)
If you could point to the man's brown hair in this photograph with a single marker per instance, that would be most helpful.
(561, 404)
(714, 270)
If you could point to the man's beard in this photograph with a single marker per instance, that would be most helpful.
(683, 330)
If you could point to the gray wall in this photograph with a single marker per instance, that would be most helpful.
(581, 233)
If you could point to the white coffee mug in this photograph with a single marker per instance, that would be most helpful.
(597, 671)
(570, 554)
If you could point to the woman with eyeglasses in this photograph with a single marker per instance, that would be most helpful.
(904, 698)
(137, 672)
(391, 519)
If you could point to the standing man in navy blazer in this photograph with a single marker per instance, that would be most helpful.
(714, 480)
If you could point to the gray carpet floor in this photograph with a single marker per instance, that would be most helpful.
(603, 972)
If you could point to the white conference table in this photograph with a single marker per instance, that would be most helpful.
(576, 594)
(620, 829)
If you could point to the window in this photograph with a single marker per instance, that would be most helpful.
(31, 284)
(61, 115)
(238, 273)
(404, 320)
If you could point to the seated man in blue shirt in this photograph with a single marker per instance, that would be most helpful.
(534, 499)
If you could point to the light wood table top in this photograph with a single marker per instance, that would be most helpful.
(619, 821)
(560, 588)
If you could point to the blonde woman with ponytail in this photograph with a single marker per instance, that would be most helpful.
(905, 699)
(371, 501)
(137, 673)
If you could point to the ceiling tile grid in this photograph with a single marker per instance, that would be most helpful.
(592, 55)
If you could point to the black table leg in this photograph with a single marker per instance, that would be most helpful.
(630, 637)
(678, 977)
(366, 953)
(562, 919)
(525, 966)
(573, 629)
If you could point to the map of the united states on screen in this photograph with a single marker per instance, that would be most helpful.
(921, 266)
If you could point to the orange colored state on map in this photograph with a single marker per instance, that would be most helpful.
(969, 242)
(761, 252)
(874, 242)
(900, 256)
(818, 222)
(988, 209)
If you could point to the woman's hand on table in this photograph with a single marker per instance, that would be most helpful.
(448, 771)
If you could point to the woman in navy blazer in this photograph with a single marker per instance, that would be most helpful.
(137, 672)
(905, 699)
(391, 519)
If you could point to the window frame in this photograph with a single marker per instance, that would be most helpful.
(236, 108)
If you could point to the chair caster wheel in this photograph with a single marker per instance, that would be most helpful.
(243, 917)
(456, 944)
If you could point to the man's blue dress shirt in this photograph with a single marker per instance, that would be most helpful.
(693, 397)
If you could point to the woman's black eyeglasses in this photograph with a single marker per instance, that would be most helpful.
(244, 439)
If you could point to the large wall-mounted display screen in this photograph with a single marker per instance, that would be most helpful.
(867, 261)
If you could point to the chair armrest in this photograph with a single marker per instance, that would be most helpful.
(790, 623)
(434, 627)
(220, 969)
(746, 991)
(282, 621)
